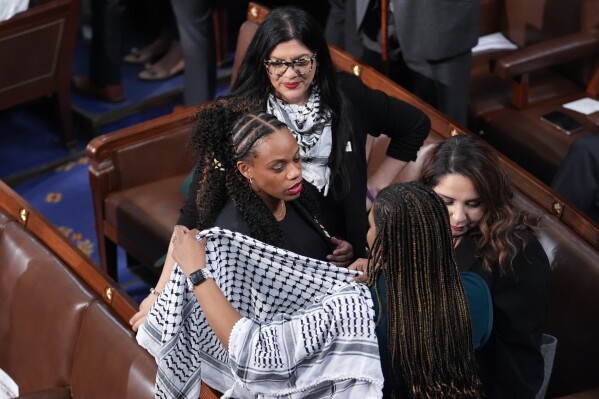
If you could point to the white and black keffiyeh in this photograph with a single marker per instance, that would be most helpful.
(307, 330)
(311, 126)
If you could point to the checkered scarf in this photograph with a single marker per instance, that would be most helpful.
(307, 331)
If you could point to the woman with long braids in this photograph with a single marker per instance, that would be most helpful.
(493, 239)
(251, 179)
(424, 323)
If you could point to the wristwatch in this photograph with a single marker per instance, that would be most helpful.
(199, 276)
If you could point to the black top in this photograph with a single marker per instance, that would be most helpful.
(370, 112)
(511, 363)
(301, 232)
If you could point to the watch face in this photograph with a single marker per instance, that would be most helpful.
(197, 277)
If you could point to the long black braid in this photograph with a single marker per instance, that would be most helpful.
(428, 323)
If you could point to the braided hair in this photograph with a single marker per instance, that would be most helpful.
(227, 132)
(428, 321)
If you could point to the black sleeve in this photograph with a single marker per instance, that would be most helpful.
(188, 215)
(520, 302)
(406, 125)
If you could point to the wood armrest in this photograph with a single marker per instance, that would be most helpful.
(142, 153)
(546, 54)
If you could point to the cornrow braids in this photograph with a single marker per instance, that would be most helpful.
(428, 322)
(246, 132)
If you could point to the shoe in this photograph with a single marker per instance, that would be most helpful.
(149, 53)
(111, 93)
(150, 73)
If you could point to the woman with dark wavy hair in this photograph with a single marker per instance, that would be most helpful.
(493, 239)
(288, 72)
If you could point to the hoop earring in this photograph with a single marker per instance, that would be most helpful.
(251, 182)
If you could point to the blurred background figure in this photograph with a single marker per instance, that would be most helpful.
(577, 178)
(104, 81)
(428, 44)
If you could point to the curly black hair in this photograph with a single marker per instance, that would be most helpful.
(227, 131)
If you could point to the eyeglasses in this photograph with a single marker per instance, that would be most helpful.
(301, 66)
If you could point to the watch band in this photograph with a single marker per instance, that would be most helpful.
(199, 276)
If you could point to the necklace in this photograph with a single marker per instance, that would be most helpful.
(280, 213)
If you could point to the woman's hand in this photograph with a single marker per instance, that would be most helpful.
(188, 252)
(144, 308)
(361, 265)
(342, 254)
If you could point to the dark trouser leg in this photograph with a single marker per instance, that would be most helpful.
(105, 56)
(444, 84)
(196, 32)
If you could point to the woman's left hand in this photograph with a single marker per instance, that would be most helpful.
(343, 253)
(188, 252)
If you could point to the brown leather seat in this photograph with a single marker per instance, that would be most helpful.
(63, 322)
(36, 49)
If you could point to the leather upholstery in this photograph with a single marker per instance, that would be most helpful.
(63, 322)
(34, 316)
(107, 362)
(135, 188)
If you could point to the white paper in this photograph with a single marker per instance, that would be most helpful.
(494, 41)
(585, 106)
(8, 388)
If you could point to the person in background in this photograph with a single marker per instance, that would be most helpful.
(493, 239)
(196, 35)
(577, 178)
(104, 80)
(429, 45)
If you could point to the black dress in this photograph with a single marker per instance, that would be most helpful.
(303, 235)
(511, 363)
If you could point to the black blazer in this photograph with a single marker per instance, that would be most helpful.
(374, 112)
(511, 363)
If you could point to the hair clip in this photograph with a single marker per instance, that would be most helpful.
(217, 165)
